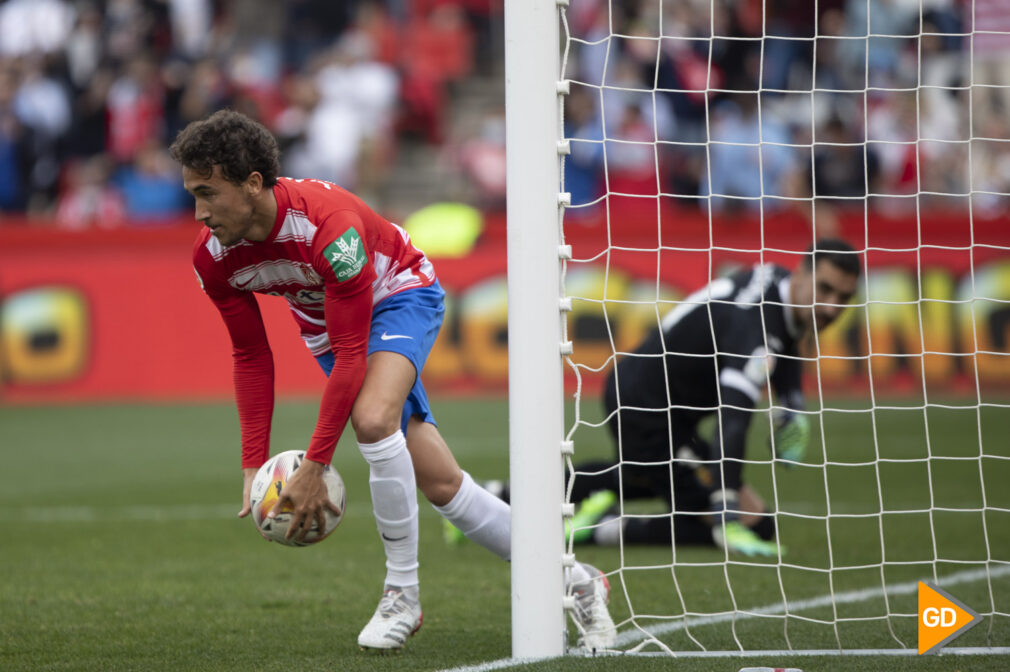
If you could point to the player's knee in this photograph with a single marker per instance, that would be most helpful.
(439, 489)
(372, 424)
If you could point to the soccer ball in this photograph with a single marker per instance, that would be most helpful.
(266, 487)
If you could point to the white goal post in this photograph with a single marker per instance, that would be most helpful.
(909, 386)
(536, 419)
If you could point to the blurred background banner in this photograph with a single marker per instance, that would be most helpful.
(118, 315)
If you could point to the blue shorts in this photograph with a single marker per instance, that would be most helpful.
(406, 323)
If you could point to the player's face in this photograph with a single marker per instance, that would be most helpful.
(827, 291)
(224, 207)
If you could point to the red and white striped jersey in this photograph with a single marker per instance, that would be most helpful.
(332, 258)
(321, 229)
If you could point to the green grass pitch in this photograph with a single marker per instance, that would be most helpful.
(121, 551)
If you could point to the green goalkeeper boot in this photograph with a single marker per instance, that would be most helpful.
(736, 537)
(581, 527)
(452, 535)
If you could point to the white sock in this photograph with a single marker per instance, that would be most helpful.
(609, 531)
(578, 574)
(394, 502)
(482, 517)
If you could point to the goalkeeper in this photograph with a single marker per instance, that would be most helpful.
(717, 352)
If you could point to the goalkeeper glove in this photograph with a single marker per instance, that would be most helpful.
(790, 434)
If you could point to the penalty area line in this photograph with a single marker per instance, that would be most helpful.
(849, 597)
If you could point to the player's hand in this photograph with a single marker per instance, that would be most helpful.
(308, 498)
(790, 435)
(247, 479)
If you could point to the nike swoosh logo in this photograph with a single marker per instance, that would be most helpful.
(389, 337)
(397, 538)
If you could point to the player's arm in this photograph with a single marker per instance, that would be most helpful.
(739, 394)
(341, 257)
(787, 382)
(253, 375)
(743, 370)
(790, 426)
(252, 369)
(348, 321)
(342, 261)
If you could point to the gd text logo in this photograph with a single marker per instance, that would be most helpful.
(941, 618)
(43, 335)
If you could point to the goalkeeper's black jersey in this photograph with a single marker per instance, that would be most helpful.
(724, 344)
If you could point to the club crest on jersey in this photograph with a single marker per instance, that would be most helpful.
(346, 255)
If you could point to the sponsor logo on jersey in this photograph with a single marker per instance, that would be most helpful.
(346, 255)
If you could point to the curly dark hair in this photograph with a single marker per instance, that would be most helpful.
(231, 140)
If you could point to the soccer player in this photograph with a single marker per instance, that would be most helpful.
(368, 306)
(716, 352)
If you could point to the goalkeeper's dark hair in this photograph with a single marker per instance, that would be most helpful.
(231, 140)
(834, 250)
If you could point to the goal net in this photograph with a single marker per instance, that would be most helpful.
(702, 137)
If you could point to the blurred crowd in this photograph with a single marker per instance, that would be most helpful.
(892, 103)
(898, 103)
(93, 91)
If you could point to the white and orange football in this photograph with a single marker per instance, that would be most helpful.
(266, 487)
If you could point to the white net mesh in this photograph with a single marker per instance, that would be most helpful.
(706, 137)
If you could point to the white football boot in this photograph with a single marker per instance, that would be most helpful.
(397, 617)
(596, 627)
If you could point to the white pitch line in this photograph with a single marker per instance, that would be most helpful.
(95, 514)
(143, 513)
(848, 597)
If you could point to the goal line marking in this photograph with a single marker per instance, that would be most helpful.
(847, 597)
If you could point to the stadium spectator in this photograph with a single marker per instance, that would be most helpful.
(84, 46)
(374, 21)
(42, 105)
(150, 187)
(33, 27)
(135, 109)
(892, 132)
(584, 164)
(353, 78)
(369, 305)
(88, 134)
(204, 88)
(339, 119)
(990, 168)
(631, 155)
(14, 145)
(750, 160)
(844, 170)
(437, 51)
(192, 21)
(88, 200)
(483, 162)
(989, 61)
